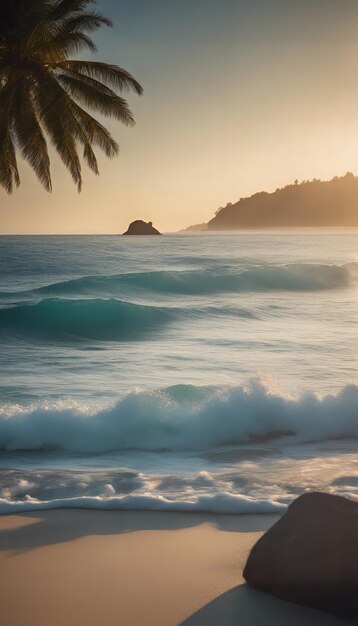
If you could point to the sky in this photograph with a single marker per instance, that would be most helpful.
(239, 96)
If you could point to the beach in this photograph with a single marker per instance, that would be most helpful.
(85, 568)
(179, 405)
(160, 408)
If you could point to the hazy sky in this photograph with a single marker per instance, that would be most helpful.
(240, 96)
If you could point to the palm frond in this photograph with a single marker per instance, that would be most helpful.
(85, 22)
(90, 158)
(55, 115)
(112, 75)
(97, 133)
(62, 8)
(98, 97)
(82, 126)
(64, 44)
(9, 173)
(29, 135)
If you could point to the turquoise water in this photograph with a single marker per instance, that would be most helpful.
(196, 372)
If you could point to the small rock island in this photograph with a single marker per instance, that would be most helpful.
(139, 227)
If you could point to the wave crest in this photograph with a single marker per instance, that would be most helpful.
(58, 319)
(184, 417)
(294, 277)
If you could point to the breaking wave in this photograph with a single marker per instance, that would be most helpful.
(216, 503)
(294, 277)
(183, 417)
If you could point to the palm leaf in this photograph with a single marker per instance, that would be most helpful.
(98, 97)
(9, 173)
(85, 22)
(82, 127)
(30, 137)
(112, 75)
(62, 8)
(96, 133)
(55, 115)
(80, 120)
(63, 44)
(90, 157)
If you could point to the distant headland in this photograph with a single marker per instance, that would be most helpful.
(139, 227)
(302, 204)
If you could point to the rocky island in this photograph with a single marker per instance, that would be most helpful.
(139, 227)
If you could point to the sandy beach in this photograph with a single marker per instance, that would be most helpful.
(85, 568)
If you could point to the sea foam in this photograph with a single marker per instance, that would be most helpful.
(218, 503)
(183, 417)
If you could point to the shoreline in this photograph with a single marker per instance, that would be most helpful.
(92, 567)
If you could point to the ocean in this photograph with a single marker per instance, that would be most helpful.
(194, 372)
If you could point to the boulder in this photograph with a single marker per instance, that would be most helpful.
(310, 556)
(139, 227)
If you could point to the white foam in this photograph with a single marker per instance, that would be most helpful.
(183, 418)
(224, 503)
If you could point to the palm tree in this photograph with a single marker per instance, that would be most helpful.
(43, 92)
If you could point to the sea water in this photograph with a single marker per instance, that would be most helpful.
(213, 372)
